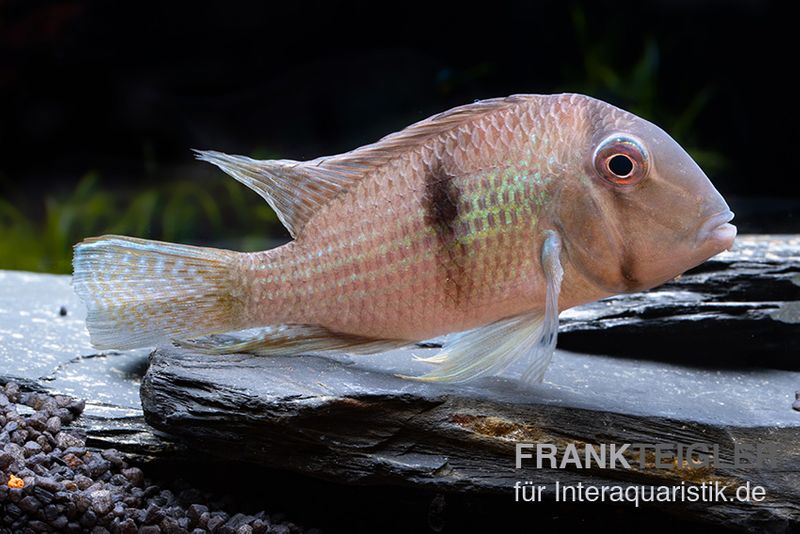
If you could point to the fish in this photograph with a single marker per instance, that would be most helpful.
(481, 224)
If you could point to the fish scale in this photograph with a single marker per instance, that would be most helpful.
(490, 269)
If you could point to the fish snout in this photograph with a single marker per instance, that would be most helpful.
(716, 232)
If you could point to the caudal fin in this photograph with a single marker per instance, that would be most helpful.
(140, 293)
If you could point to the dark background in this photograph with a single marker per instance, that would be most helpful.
(102, 101)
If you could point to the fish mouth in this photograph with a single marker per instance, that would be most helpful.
(718, 231)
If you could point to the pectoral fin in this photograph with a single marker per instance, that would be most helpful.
(522, 345)
(542, 352)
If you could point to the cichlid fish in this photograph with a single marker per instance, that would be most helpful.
(488, 220)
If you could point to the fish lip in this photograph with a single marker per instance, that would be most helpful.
(716, 229)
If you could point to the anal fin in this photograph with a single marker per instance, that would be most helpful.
(294, 339)
(484, 351)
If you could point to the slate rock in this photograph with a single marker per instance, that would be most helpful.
(351, 419)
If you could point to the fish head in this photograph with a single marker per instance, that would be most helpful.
(641, 211)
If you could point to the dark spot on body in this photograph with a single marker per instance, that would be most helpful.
(441, 204)
(62, 311)
(441, 200)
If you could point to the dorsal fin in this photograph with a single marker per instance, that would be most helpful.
(291, 188)
(297, 189)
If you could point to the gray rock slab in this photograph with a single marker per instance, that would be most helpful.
(46, 350)
(353, 420)
(614, 385)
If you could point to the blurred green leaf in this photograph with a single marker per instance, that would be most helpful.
(179, 210)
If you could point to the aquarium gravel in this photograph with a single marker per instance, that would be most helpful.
(50, 481)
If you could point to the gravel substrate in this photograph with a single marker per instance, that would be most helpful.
(51, 482)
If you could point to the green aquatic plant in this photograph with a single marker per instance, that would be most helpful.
(179, 210)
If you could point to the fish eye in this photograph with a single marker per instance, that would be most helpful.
(620, 165)
(621, 160)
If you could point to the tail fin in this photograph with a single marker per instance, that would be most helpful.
(140, 293)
